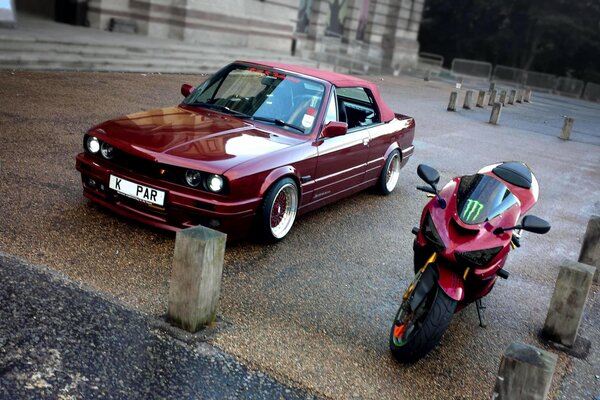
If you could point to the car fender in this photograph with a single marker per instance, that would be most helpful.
(277, 174)
(451, 283)
(393, 146)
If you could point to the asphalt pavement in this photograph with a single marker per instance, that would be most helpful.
(315, 309)
(59, 340)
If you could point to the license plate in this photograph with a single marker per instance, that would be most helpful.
(137, 191)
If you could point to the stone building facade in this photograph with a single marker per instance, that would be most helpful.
(380, 32)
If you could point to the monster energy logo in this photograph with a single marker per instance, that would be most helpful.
(472, 210)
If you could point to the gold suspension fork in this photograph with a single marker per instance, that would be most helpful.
(413, 285)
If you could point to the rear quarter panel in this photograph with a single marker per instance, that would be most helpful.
(385, 138)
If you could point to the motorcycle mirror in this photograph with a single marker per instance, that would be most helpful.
(428, 174)
(530, 223)
(534, 224)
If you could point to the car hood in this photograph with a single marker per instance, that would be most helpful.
(192, 138)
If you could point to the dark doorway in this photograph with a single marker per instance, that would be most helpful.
(42, 8)
(72, 12)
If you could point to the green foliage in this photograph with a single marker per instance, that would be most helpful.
(554, 36)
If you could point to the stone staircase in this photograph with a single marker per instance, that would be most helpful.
(39, 44)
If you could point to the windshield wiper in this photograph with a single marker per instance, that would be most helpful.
(222, 108)
(278, 122)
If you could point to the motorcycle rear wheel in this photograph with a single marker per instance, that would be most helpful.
(422, 330)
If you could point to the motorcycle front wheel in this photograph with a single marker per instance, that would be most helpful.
(416, 332)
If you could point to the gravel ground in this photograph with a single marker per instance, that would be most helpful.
(86, 346)
(316, 308)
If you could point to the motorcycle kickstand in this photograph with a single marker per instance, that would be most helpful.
(480, 313)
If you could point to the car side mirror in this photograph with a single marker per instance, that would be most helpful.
(334, 129)
(534, 224)
(428, 174)
(186, 89)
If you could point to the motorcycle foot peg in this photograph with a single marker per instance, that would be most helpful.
(480, 313)
(503, 273)
(415, 230)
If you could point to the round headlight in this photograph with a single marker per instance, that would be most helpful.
(107, 151)
(93, 144)
(193, 177)
(214, 183)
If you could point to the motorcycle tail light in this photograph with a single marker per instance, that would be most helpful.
(477, 258)
(432, 235)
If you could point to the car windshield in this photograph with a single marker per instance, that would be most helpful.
(264, 95)
(481, 198)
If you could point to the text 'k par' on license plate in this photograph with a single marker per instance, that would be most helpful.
(136, 191)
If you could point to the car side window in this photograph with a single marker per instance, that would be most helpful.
(331, 114)
(358, 107)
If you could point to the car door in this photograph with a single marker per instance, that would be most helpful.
(342, 160)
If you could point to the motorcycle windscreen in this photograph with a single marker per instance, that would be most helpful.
(481, 198)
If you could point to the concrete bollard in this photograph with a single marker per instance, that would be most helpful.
(468, 97)
(452, 102)
(427, 76)
(568, 301)
(495, 114)
(196, 277)
(527, 97)
(525, 372)
(565, 134)
(459, 83)
(519, 97)
(492, 87)
(590, 248)
(511, 98)
(503, 97)
(481, 99)
(492, 99)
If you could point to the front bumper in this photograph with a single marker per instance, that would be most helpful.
(183, 207)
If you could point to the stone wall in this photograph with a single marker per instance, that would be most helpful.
(260, 24)
(379, 32)
(376, 31)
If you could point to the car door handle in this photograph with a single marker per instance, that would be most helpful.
(366, 141)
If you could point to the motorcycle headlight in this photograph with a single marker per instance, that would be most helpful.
(214, 183)
(193, 177)
(93, 144)
(478, 258)
(431, 234)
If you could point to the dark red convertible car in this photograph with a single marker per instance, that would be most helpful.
(255, 145)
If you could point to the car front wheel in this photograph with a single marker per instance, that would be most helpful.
(279, 209)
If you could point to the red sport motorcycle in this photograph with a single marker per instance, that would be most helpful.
(466, 233)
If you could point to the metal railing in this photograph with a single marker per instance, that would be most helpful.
(471, 68)
(429, 62)
(569, 87)
(520, 77)
(592, 92)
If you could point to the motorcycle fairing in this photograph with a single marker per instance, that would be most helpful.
(451, 283)
(426, 283)
(515, 175)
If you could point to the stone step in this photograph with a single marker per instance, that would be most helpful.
(57, 61)
(36, 54)
(19, 44)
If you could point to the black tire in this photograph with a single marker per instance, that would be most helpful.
(390, 174)
(433, 324)
(270, 229)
